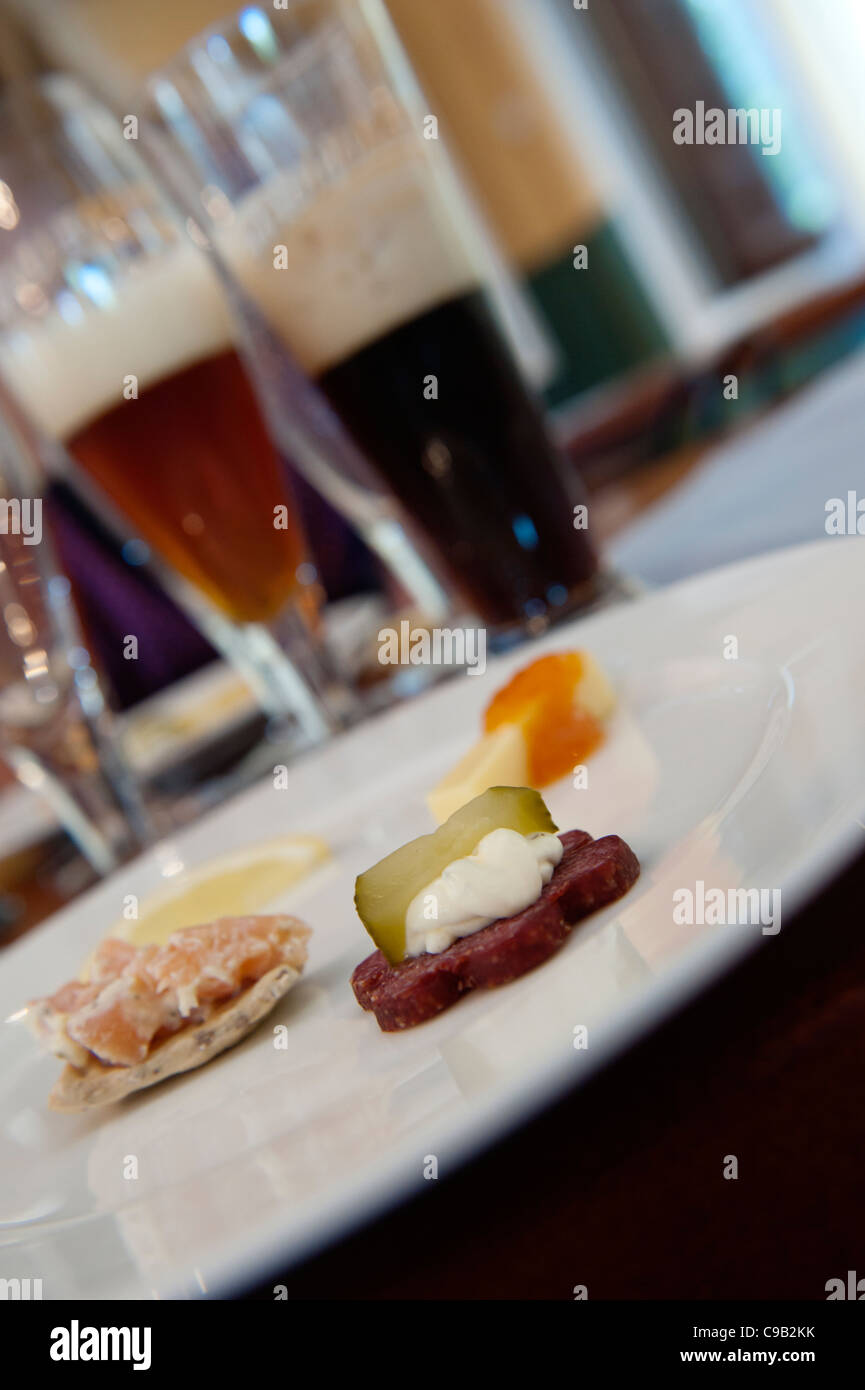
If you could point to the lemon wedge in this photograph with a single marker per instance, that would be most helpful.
(496, 760)
(236, 885)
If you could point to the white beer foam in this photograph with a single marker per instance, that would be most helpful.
(376, 247)
(165, 314)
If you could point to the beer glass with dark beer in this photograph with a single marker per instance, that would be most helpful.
(117, 339)
(328, 195)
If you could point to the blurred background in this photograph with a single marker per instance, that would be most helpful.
(655, 307)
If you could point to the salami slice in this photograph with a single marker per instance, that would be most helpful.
(590, 874)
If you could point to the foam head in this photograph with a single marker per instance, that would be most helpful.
(68, 367)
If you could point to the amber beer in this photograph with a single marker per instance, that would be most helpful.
(191, 465)
(378, 292)
(151, 399)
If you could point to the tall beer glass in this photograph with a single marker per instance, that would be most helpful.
(117, 339)
(325, 190)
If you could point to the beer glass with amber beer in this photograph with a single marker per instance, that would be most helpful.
(117, 339)
(325, 189)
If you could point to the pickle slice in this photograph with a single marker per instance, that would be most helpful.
(383, 893)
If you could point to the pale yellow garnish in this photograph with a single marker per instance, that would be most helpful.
(237, 885)
(497, 760)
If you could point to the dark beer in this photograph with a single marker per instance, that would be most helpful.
(440, 408)
(375, 285)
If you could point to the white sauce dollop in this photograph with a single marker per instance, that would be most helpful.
(505, 873)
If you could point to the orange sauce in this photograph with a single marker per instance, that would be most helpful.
(540, 699)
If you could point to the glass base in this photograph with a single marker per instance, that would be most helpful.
(604, 588)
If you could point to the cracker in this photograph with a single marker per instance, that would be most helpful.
(97, 1084)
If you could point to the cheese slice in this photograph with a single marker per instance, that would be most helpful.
(497, 760)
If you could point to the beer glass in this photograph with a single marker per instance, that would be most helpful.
(117, 339)
(322, 184)
(55, 731)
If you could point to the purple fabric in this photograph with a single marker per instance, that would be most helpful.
(114, 600)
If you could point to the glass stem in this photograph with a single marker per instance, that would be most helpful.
(89, 789)
(270, 668)
(286, 669)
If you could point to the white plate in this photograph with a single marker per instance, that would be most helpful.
(747, 772)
